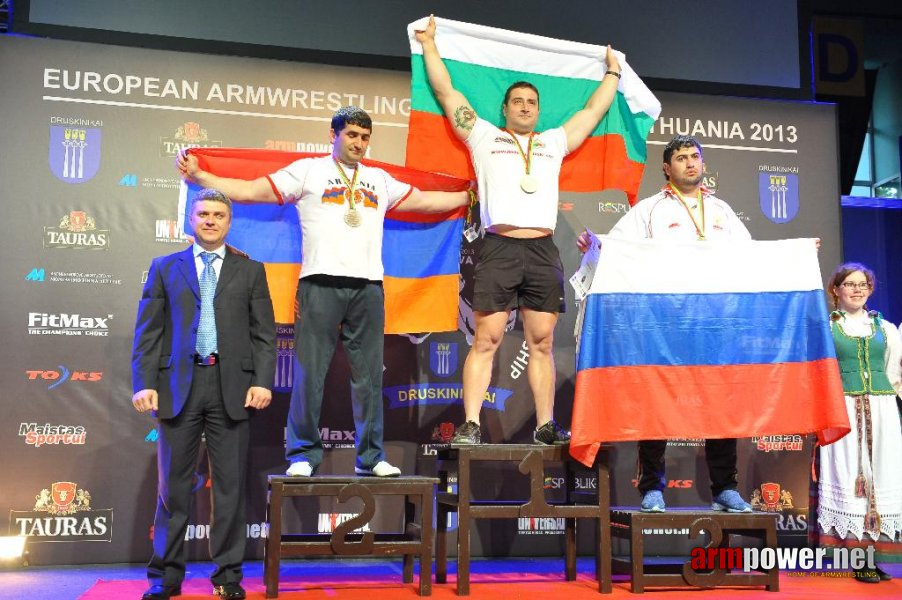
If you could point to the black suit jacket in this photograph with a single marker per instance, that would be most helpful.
(166, 330)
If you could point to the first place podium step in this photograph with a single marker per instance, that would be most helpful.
(416, 540)
(464, 462)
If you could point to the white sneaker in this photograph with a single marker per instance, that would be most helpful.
(300, 469)
(380, 469)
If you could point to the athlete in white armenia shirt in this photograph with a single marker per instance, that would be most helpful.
(341, 204)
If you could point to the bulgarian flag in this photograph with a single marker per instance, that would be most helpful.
(705, 340)
(420, 252)
(484, 61)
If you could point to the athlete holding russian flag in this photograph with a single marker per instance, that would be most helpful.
(683, 210)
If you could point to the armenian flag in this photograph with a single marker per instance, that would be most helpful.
(420, 252)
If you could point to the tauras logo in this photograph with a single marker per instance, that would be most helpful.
(63, 513)
(67, 324)
(39, 435)
(77, 230)
(188, 135)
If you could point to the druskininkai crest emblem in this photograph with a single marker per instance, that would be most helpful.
(74, 153)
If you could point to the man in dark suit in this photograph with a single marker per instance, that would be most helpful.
(204, 358)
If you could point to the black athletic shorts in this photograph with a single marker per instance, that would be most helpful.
(518, 273)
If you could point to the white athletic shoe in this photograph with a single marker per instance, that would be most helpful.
(301, 468)
(380, 469)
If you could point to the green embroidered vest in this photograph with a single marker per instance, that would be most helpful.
(861, 360)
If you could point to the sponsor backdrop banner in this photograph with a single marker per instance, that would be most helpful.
(90, 196)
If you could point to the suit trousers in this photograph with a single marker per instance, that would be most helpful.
(328, 309)
(178, 444)
(719, 454)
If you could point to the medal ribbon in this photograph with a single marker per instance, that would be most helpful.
(701, 209)
(351, 183)
(527, 156)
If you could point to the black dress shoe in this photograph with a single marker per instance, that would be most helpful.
(162, 592)
(229, 591)
(866, 575)
(883, 575)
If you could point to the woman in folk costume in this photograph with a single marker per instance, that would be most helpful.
(860, 484)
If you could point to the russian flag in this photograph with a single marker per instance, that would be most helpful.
(420, 252)
(484, 61)
(705, 340)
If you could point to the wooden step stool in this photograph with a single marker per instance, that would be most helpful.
(415, 540)
(629, 524)
(531, 459)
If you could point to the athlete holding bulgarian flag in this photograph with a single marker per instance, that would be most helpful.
(518, 172)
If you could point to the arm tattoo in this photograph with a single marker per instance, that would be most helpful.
(464, 117)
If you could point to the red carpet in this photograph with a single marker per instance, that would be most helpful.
(509, 586)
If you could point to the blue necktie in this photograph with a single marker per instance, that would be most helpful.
(206, 327)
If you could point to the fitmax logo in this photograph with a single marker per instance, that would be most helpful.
(66, 324)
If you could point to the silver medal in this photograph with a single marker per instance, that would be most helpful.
(353, 218)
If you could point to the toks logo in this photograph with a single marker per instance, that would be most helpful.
(57, 378)
(63, 513)
(680, 484)
(78, 231)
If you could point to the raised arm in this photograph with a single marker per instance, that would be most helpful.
(455, 104)
(239, 190)
(580, 125)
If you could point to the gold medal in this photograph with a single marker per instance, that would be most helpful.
(353, 218)
(528, 183)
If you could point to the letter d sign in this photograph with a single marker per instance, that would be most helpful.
(838, 57)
